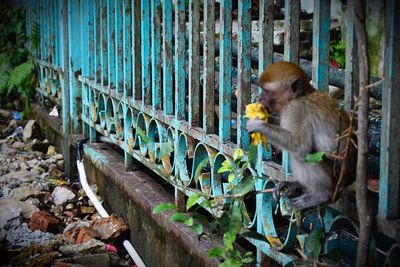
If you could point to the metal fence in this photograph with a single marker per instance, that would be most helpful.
(122, 69)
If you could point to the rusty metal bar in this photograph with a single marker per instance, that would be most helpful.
(180, 76)
(119, 47)
(244, 70)
(145, 48)
(156, 54)
(168, 96)
(209, 66)
(104, 43)
(292, 30)
(225, 82)
(194, 62)
(127, 47)
(111, 43)
(136, 51)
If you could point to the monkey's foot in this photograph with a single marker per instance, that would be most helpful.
(309, 200)
(292, 189)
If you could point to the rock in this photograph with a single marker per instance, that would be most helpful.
(58, 156)
(7, 150)
(51, 150)
(19, 177)
(109, 227)
(33, 163)
(24, 192)
(33, 201)
(18, 145)
(31, 131)
(44, 222)
(71, 231)
(70, 206)
(5, 113)
(23, 236)
(90, 247)
(27, 209)
(98, 260)
(62, 195)
(87, 210)
(85, 234)
(10, 216)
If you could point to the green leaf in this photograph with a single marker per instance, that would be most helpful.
(178, 217)
(248, 254)
(142, 135)
(216, 252)
(19, 74)
(247, 260)
(197, 228)
(192, 200)
(312, 244)
(189, 221)
(200, 217)
(162, 207)
(252, 156)
(237, 155)
(226, 167)
(199, 168)
(165, 149)
(229, 240)
(231, 177)
(235, 223)
(245, 186)
(231, 262)
(314, 158)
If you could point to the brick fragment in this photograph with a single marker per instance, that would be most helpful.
(85, 234)
(43, 221)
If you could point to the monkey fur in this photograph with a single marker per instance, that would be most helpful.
(310, 122)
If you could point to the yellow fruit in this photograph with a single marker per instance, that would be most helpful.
(253, 111)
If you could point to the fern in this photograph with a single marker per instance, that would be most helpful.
(20, 74)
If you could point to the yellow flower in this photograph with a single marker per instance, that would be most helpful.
(257, 110)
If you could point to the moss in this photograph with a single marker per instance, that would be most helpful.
(375, 35)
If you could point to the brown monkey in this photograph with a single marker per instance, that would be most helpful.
(310, 122)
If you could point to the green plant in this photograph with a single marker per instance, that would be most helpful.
(337, 51)
(17, 69)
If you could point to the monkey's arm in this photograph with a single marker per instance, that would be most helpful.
(280, 137)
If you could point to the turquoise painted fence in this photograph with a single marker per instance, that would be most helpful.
(118, 67)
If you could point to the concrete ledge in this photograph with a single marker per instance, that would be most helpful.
(133, 195)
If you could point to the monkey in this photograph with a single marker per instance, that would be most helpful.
(310, 122)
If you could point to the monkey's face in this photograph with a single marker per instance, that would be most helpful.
(275, 96)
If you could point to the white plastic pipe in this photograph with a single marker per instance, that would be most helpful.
(103, 213)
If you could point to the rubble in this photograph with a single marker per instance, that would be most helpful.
(45, 220)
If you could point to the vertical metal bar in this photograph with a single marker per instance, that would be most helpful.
(266, 34)
(292, 30)
(225, 67)
(291, 46)
(42, 36)
(65, 92)
(168, 104)
(136, 50)
(321, 39)
(73, 40)
(351, 72)
(244, 70)
(127, 45)
(111, 43)
(390, 136)
(104, 43)
(119, 47)
(84, 36)
(266, 44)
(97, 45)
(194, 62)
(180, 59)
(90, 9)
(156, 54)
(209, 66)
(146, 60)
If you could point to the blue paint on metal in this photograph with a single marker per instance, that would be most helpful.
(225, 77)
(389, 180)
(156, 54)
(321, 41)
(127, 48)
(180, 60)
(145, 48)
(119, 47)
(104, 43)
(111, 43)
(167, 58)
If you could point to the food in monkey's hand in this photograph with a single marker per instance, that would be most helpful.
(257, 110)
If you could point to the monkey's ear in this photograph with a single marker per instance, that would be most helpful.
(299, 87)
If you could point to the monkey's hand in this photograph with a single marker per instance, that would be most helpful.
(255, 125)
(293, 189)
